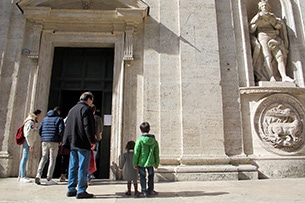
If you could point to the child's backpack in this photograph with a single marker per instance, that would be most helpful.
(19, 134)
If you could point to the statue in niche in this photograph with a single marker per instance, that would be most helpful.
(269, 42)
(282, 127)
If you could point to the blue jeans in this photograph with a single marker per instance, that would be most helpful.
(78, 169)
(151, 173)
(24, 159)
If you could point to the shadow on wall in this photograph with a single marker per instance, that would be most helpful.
(167, 42)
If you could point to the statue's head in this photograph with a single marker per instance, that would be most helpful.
(264, 5)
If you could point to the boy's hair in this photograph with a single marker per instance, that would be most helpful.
(130, 145)
(145, 127)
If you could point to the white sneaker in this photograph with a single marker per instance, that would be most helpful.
(51, 182)
(25, 180)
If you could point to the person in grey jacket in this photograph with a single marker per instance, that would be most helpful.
(129, 173)
(51, 131)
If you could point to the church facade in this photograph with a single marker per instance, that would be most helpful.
(188, 67)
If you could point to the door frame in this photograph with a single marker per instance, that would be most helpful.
(50, 40)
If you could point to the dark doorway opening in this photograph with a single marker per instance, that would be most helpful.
(76, 70)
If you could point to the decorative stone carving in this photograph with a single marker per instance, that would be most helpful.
(128, 43)
(86, 4)
(35, 36)
(270, 43)
(279, 123)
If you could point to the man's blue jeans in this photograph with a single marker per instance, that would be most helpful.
(78, 169)
(24, 159)
(151, 173)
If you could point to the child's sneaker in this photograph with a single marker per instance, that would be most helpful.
(136, 193)
(128, 193)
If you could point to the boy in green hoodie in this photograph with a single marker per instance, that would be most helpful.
(146, 157)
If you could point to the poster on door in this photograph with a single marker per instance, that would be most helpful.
(107, 120)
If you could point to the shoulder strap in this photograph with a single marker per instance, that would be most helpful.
(30, 119)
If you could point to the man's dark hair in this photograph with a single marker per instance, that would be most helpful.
(145, 127)
(85, 96)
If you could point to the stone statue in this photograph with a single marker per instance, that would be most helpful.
(269, 42)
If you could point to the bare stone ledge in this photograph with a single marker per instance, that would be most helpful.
(262, 90)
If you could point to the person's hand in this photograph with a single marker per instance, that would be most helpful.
(156, 167)
(60, 144)
(31, 149)
(100, 136)
(135, 167)
(93, 146)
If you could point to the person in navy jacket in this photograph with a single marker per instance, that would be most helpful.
(51, 131)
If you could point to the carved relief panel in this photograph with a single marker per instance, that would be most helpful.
(279, 123)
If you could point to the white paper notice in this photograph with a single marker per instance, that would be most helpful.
(107, 120)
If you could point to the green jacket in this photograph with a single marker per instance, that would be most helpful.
(146, 151)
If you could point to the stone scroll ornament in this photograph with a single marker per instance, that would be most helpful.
(280, 125)
(269, 42)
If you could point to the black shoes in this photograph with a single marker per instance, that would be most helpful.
(152, 192)
(71, 194)
(37, 181)
(84, 195)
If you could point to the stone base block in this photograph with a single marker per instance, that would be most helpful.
(281, 168)
(4, 164)
(206, 173)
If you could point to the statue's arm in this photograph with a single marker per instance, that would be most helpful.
(253, 24)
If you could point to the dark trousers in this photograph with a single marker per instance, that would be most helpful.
(151, 173)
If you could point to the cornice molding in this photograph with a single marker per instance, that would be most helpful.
(133, 12)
